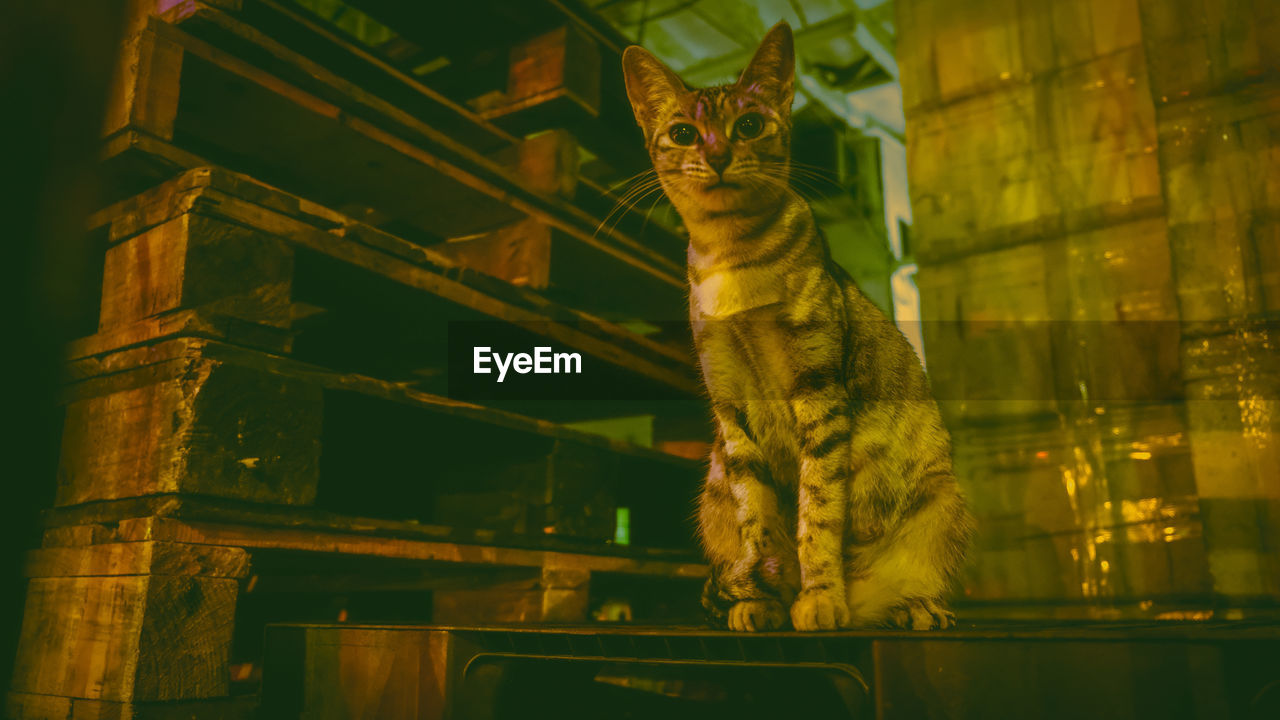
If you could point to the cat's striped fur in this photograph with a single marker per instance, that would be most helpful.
(830, 499)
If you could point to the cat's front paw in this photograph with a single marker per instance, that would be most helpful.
(757, 615)
(819, 609)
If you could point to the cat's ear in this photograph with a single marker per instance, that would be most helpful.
(772, 70)
(651, 87)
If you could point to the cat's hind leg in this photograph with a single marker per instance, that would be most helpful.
(902, 577)
(921, 614)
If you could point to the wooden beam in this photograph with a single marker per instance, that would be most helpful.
(358, 544)
(191, 424)
(137, 558)
(115, 638)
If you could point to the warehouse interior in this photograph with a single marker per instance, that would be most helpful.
(256, 243)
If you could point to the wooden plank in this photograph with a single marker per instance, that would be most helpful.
(374, 673)
(231, 708)
(192, 424)
(520, 254)
(347, 543)
(194, 261)
(126, 638)
(100, 523)
(77, 535)
(28, 706)
(180, 323)
(558, 595)
(145, 86)
(551, 76)
(547, 162)
(138, 558)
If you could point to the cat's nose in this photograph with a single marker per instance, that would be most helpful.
(719, 161)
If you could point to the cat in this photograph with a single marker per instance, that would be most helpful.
(830, 500)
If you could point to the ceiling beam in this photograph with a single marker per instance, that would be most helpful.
(710, 70)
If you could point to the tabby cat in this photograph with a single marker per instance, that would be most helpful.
(830, 499)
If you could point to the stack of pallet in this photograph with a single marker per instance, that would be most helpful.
(258, 426)
(1073, 236)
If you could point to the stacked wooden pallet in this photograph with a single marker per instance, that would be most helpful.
(259, 426)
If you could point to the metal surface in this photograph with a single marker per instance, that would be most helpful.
(1001, 669)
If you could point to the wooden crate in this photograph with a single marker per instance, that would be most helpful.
(1233, 415)
(1102, 510)
(948, 52)
(1069, 324)
(995, 332)
(1220, 173)
(1068, 152)
(1197, 48)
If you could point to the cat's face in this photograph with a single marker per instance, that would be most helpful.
(722, 150)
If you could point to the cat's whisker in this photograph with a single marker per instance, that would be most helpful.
(634, 178)
(627, 201)
(619, 212)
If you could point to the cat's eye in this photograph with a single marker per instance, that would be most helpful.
(683, 134)
(749, 126)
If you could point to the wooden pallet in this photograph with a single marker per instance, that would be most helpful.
(137, 608)
(228, 257)
(191, 415)
(303, 128)
(545, 64)
(609, 135)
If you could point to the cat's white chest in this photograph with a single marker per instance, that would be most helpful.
(721, 294)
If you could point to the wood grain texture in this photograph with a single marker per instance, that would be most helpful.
(112, 638)
(360, 675)
(148, 518)
(561, 594)
(348, 542)
(145, 86)
(28, 706)
(552, 79)
(520, 253)
(192, 424)
(195, 261)
(139, 558)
